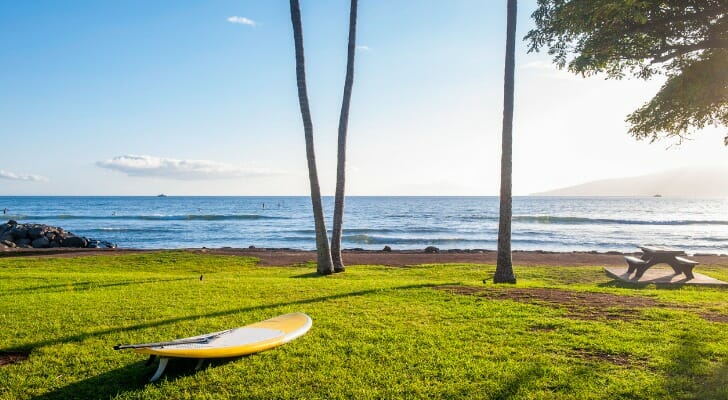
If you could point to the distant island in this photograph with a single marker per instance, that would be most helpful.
(686, 182)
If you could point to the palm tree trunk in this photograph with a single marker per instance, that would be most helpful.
(504, 266)
(341, 152)
(323, 262)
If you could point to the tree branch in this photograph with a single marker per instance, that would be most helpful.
(667, 53)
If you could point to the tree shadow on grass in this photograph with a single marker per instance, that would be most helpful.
(716, 386)
(512, 386)
(106, 385)
(87, 285)
(136, 375)
(132, 377)
(689, 374)
(193, 317)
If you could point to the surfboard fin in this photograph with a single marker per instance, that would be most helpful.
(160, 370)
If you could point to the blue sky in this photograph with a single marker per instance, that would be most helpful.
(199, 98)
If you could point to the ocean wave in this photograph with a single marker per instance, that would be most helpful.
(365, 231)
(371, 239)
(181, 217)
(131, 230)
(548, 219)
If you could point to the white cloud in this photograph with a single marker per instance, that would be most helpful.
(20, 177)
(363, 48)
(242, 21)
(170, 168)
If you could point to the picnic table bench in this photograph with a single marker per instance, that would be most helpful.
(657, 255)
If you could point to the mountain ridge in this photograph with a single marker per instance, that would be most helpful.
(698, 182)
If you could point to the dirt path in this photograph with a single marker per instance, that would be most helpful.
(281, 257)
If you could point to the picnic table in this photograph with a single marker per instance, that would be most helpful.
(658, 255)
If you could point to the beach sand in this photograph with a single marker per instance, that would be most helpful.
(397, 258)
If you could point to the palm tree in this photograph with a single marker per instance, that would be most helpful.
(323, 261)
(504, 266)
(341, 152)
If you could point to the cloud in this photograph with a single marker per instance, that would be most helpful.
(170, 168)
(20, 177)
(363, 48)
(242, 21)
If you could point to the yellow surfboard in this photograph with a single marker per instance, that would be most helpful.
(235, 342)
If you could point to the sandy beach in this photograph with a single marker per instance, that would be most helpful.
(396, 258)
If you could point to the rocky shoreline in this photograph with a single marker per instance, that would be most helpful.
(38, 236)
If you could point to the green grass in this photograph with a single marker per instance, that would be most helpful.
(378, 332)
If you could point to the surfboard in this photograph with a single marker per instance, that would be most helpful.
(234, 342)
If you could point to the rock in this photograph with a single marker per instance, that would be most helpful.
(74, 241)
(19, 232)
(387, 249)
(36, 231)
(5, 228)
(41, 243)
(431, 249)
(100, 244)
(13, 234)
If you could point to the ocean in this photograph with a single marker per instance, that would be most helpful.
(539, 223)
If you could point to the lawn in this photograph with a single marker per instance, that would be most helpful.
(430, 331)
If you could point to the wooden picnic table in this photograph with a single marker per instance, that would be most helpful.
(658, 255)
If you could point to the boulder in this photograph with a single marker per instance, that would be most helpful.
(74, 241)
(36, 231)
(41, 243)
(19, 232)
(5, 228)
(431, 249)
(13, 234)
